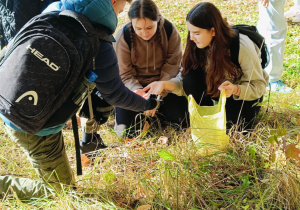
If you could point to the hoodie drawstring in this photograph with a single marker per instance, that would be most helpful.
(154, 55)
(147, 58)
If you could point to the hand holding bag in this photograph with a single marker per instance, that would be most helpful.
(208, 123)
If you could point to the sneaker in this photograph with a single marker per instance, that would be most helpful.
(294, 11)
(279, 86)
(296, 19)
(91, 142)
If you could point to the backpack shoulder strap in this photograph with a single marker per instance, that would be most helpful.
(126, 32)
(235, 48)
(80, 19)
(86, 25)
(168, 28)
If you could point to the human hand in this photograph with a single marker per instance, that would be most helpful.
(265, 3)
(156, 87)
(141, 92)
(150, 113)
(230, 88)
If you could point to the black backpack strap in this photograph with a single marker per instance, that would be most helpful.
(257, 39)
(235, 49)
(77, 144)
(126, 31)
(168, 28)
(85, 23)
(81, 19)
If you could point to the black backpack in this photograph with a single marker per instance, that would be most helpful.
(43, 81)
(126, 31)
(259, 40)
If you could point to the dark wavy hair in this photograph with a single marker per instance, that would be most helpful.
(215, 59)
(144, 9)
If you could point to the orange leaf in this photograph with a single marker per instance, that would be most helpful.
(85, 161)
(298, 121)
(292, 152)
(128, 140)
(147, 175)
(69, 123)
(213, 174)
(145, 128)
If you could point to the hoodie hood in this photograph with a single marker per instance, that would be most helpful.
(96, 11)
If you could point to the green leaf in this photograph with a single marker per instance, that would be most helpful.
(281, 131)
(252, 151)
(166, 155)
(272, 139)
(245, 180)
(245, 207)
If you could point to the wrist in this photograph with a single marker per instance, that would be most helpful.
(237, 90)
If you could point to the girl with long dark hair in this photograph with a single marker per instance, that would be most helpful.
(151, 52)
(208, 68)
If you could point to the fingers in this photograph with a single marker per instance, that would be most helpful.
(228, 87)
(148, 87)
(150, 113)
(224, 85)
(265, 3)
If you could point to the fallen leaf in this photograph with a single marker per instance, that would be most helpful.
(128, 140)
(166, 155)
(163, 140)
(147, 175)
(145, 128)
(213, 174)
(85, 161)
(144, 207)
(69, 123)
(272, 157)
(292, 152)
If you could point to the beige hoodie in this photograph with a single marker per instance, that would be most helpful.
(254, 81)
(150, 65)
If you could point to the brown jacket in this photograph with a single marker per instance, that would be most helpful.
(150, 65)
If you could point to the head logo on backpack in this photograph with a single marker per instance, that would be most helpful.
(259, 40)
(40, 56)
(43, 69)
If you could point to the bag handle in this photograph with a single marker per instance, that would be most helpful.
(222, 100)
(84, 22)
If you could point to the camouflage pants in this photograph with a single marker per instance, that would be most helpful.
(48, 156)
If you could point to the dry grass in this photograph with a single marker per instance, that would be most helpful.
(252, 173)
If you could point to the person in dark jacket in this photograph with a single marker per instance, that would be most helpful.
(45, 149)
(91, 139)
(15, 13)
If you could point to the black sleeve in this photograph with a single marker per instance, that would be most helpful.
(110, 85)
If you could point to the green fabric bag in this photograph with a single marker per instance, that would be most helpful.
(208, 123)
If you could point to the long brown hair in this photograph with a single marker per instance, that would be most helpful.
(144, 9)
(215, 59)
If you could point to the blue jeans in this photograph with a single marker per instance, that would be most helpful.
(273, 27)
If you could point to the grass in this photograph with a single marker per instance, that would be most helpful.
(257, 171)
